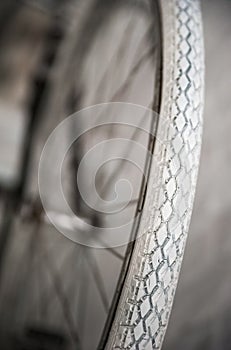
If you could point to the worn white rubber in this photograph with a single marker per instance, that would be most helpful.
(144, 307)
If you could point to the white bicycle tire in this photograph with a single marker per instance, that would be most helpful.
(144, 307)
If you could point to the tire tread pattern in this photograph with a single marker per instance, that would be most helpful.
(144, 308)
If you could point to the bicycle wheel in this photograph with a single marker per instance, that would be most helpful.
(71, 297)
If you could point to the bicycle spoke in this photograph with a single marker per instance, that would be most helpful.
(127, 82)
(115, 253)
(116, 57)
(96, 274)
(64, 302)
(134, 67)
(107, 185)
(83, 295)
(25, 262)
(46, 296)
(111, 250)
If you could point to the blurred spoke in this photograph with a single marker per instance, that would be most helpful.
(127, 82)
(65, 303)
(106, 186)
(96, 274)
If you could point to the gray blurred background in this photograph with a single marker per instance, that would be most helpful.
(201, 316)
